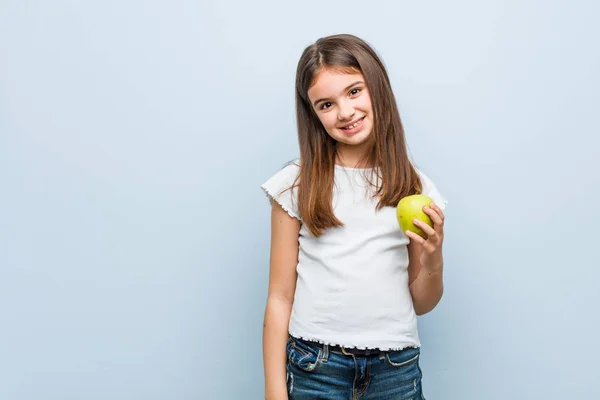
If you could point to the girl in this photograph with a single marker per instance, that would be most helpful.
(345, 283)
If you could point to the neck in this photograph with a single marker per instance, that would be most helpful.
(352, 155)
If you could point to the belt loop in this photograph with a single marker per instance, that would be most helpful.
(325, 356)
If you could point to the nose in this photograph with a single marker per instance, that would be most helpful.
(345, 111)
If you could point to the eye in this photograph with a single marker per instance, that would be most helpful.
(355, 91)
(325, 105)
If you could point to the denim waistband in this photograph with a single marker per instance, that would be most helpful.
(348, 351)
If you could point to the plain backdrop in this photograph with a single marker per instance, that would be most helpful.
(134, 237)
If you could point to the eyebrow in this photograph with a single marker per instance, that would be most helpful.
(347, 88)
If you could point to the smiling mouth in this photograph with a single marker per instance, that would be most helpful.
(353, 125)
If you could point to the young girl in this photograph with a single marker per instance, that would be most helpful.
(346, 284)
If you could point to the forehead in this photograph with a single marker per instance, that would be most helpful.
(332, 82)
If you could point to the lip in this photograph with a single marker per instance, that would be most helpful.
(355, 129)
(353, 122)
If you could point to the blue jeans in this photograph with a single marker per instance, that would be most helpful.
(315, 372)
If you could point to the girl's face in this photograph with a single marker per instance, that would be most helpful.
(343, 105)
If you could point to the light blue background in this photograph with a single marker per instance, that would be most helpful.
(134, 237)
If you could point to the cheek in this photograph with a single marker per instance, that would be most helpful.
(327, 120)
(367, 105)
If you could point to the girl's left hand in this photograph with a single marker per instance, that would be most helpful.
(432, 246)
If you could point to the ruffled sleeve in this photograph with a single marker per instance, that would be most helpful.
(278, 188)
(432, 191)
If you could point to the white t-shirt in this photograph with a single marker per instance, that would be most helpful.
(352, 288)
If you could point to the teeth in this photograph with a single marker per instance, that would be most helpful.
(354, 125)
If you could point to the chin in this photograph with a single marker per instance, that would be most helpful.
(357, 141)
(359, 138)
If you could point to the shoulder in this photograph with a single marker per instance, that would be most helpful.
(292, 166)
(430, 189)
(280, 187)
(286, 175)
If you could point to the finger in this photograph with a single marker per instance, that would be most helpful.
(414, 237)
(434, 215)
(438, 221)
(438, 210)
(425, 244)
(429, 247)
(429, 231)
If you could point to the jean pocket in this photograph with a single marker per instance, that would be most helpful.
(303, 356)
(402, 358)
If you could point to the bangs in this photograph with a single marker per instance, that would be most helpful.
(342, 69)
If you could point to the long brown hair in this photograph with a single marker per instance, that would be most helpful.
(397, 177)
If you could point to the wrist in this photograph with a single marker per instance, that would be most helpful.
(434, 266)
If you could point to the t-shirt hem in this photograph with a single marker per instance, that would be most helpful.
(272, 197)
(400, 346)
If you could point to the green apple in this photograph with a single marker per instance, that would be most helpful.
(411, 207)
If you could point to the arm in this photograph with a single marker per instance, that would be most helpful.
(426, 283)
(282, 285)
(426, 262)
